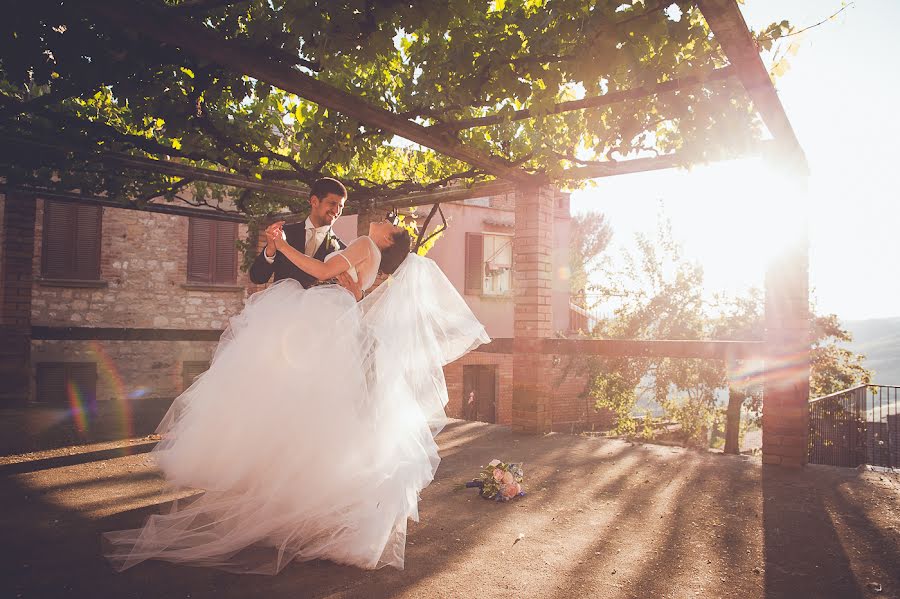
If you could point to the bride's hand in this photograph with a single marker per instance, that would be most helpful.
(277, 234)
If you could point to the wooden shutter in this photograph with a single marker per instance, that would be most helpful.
(51, 383)
(474, 263)
(55, 378)
(191, 370)
(71, 243)
(200, 251)
(88, 220)
(83, 377)
(59, 240)
(225, 257)
(212, 254)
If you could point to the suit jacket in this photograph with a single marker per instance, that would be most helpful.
(261, 271)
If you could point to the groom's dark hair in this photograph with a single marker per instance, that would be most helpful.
(392, 257)
(322, 187)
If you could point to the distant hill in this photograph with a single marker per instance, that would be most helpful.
(879, 340)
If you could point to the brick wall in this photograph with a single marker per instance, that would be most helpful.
(571, 409)
(17, 225)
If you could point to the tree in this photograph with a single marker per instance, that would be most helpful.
(70, 80)
(661, 295)
(664, 300)
(833, 367)
(588, 239)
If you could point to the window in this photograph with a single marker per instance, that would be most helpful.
(71, 242)
(212, 253)
(67, 383)
(191, 370)
(488, 264)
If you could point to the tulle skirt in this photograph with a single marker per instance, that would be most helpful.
(308, 435)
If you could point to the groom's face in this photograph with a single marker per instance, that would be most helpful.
(324, 211)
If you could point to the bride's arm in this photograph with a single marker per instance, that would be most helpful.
(320, 270)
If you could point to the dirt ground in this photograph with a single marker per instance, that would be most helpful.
(602, 518)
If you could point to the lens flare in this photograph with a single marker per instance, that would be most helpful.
(77, 407)
(109, 375)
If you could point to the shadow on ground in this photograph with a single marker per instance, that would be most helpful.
(29, 428)
(602, 518)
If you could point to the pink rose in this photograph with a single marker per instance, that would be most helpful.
(508, 478)
(509, 491)
(498, 474)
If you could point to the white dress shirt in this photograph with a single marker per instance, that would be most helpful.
(314, 238)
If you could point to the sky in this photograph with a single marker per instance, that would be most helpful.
(841, 95)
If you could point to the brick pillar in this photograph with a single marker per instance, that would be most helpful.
(786, 385)
(532, 280)
(365, 216)
(16, 279)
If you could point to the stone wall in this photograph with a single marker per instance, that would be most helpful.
(143, 263)
(129, 369)
(143, 271)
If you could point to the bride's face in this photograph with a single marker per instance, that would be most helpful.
(383, 232)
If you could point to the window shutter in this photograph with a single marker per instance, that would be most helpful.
(51, 383)
(59, 240)
(200, 238)
(88, 220)
(71, 243)
(55, 378)
(474, 263)
(83, 377)
(225, 258)
(191, 370)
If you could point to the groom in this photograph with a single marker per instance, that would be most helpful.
(315, 236)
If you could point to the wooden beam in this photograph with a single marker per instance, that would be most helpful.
(709, 350)
(14, 145)
(625, 167)
(206, 44)
(443, 196)
(80, 198)
(652, 163)
(614, 348)
(730, 30)
(591, 102)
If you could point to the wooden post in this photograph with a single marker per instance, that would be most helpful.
(532, 279)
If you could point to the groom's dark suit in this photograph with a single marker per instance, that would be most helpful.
(261, 271)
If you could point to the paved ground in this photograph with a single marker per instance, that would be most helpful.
(603, 518)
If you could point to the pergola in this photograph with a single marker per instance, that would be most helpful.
(785, 348)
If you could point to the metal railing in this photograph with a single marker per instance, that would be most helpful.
(856, 426)
(586, 311)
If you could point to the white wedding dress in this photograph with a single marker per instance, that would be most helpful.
(312, 432)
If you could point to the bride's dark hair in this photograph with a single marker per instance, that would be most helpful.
(392, 257)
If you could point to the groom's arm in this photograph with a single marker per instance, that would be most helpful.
(264, 266)
(262, 269)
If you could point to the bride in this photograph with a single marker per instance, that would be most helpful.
(312, 432)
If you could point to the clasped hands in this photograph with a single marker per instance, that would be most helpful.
(275, 238)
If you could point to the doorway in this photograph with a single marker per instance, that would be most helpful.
(480, 392)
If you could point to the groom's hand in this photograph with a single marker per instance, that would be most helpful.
(274, 234)
(345, 281)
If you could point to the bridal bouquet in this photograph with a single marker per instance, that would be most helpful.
(499, 481)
